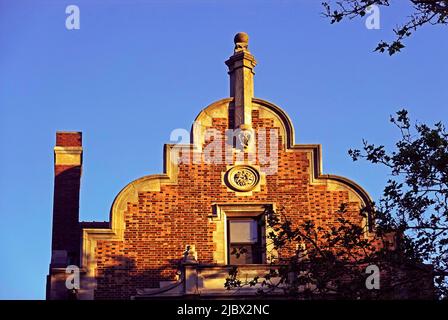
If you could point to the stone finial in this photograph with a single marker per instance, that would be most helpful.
(190, 255)
(241, 41)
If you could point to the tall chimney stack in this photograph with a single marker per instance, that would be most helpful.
(67, 170)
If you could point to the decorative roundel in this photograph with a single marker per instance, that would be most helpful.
(242, 178)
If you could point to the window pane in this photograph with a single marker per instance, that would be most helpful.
(244, 258)
(243, 231)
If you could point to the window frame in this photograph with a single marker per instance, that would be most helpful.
(218, 216)
(260, 244)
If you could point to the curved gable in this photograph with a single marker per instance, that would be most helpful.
(155, 216)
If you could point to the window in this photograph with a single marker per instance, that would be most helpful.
(241, 225)
(245, 238)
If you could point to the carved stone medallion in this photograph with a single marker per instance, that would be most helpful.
(242, 178)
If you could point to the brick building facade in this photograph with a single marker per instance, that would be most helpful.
(242, 157)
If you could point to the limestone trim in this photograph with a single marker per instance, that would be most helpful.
(218, 109)
(71, 156)
(285, 120)
(314, 152)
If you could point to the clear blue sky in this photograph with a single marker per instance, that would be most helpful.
(136, 70)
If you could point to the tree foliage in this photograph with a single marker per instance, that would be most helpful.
(415, 199)
(425, 12)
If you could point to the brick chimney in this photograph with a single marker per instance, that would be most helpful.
(67, 170)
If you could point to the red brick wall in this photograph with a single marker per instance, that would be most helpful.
(69, 139)
(161, 224)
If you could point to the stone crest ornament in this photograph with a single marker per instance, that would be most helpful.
(242, 178)
(245, 137)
